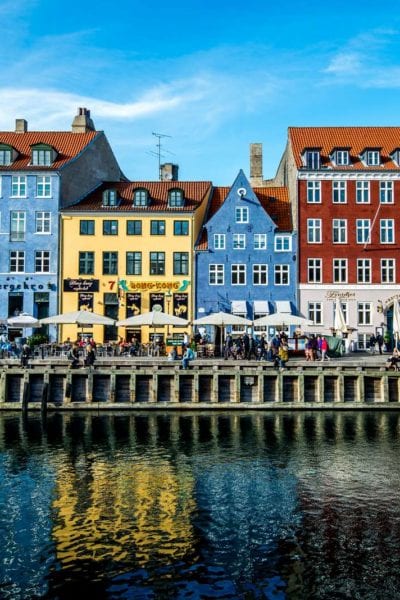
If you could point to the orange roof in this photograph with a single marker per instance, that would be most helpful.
(66, 143)
(274, 200)
(356, 139)
(194, 191)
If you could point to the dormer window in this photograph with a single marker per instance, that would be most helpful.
(176, 198)
(42, 155)
(110, 197)
(395, 156)
(7, 155)
(312, 159)
(341, 158)
(372, 158)
(141, 197)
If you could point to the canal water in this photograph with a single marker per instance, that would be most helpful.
(192, 506)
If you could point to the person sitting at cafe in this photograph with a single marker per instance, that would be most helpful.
(90, 356)
(73, 356)
(394, 360)
(187, 357)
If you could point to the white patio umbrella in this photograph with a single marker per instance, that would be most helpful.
(154, 318)
(79, 318)
(280, 320)
(23, 321)
(340, 322)
(396, 320)
(222, 319)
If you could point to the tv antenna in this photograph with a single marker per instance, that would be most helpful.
(159, 136)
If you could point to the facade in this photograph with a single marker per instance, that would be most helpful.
(246, 255)
(39, 173)
(127, 248)
(345, 187)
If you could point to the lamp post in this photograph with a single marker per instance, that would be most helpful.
(168, 297)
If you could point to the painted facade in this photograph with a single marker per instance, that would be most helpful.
(246, 256)
(36, 169)
(127, 248)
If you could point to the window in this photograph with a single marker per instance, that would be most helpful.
(110, 263)
(181, 263)
(339, 195)
(43, 186)
(241, 214)
(42, 157)
(388, 270)
(342, 158)
(43, 222)
(363, 270)
(134, 227)
(239, 241)
(340, 270)
(362, 192)
(315, 312)
(363, 230)
(157, 263)
(216, 275)
(176, 198)
(312, 159)
(281, 273)
(219, 241)
(140, 198)
(181, 227)
(339, 231)
(133, 263)
(17, 261)
(238, 274)
(313, 192)
(157, 227)
(18, 226)
(364, 311)
(387, 231)
(18, 186)
(283, 243)
(42, 261)
(260, 241)
(260, 274)
(110, 197)
(110, 227)
(86, 263)
(314, 227)
(314, 270)
(373, 158)
(86, 227)
(5, 156)
(386, 192)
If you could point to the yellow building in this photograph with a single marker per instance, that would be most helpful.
(127, 248)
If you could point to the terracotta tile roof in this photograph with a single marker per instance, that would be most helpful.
(194, 192)
(274, 200)
(356, 139)
(67, 144)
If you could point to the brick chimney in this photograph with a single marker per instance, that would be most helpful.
(256, 165)
(82, 123)
(169, 172)
(21, 126)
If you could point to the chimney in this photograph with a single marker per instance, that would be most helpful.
(82, 123)
(256, 165)
(169, 172)
(21, 126)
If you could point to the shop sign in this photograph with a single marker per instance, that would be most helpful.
(333, 295)
(133, 304)
(181, 305)
(157, 302)
(81, 285)
(127, 286)
(85, 301)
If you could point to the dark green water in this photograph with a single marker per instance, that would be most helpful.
(227, 505)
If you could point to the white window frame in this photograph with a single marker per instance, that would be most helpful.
(373, 158)
(18, 186)
(239, 241)
(42, 258)
(260, 241)
(313, 159)
(363, 231)
(388, 270)
(241, 214)
(260, 272)
(339, 270)
(238, 274)
(17, 258)
(339, 192)
(219, 241)
(283, 243)
(216, 274)
(342, 158)
(43, 186)
(386, 230)
(313, 192)
(43, 222)
(314, 231)
(363, 192)
(339, 229)
(42, 157)
(364, 313)
(314, 311)
(281, 272)
(17, 233)
(314, 270)
(364, 270)
(386, 192)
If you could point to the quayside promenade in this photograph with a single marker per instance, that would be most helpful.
(354, 381)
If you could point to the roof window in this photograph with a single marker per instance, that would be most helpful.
(312, 159)
(110, 197)
(42, 155)
(7, 155)
(141, 197)
(176, 198)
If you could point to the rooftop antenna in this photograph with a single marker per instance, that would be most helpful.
(159, 136)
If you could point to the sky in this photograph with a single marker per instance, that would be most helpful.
(210, 76)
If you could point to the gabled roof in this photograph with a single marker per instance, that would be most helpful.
(194, 192)
(274, 200)
(67, 144)
(356, 139)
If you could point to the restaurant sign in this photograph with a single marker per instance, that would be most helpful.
(81, 285)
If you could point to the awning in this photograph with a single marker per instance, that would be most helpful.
(283, 306)
(239, 307)
(261, 307)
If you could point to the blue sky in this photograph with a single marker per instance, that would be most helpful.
(214, 75)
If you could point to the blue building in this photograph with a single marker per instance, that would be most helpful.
(246, 253)
(40, 172)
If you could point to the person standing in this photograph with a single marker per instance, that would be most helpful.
(25, 355)
(372, 343)
(324, 348)
(379, 341)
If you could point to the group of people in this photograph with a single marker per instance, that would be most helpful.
(316, 348)
(375, 341)
(246, 347)
(75, 351)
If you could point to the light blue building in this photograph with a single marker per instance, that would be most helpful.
(246, 253)
(40, 172)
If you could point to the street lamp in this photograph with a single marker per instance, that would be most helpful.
(168, 297)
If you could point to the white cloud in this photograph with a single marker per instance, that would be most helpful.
(345, 64)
